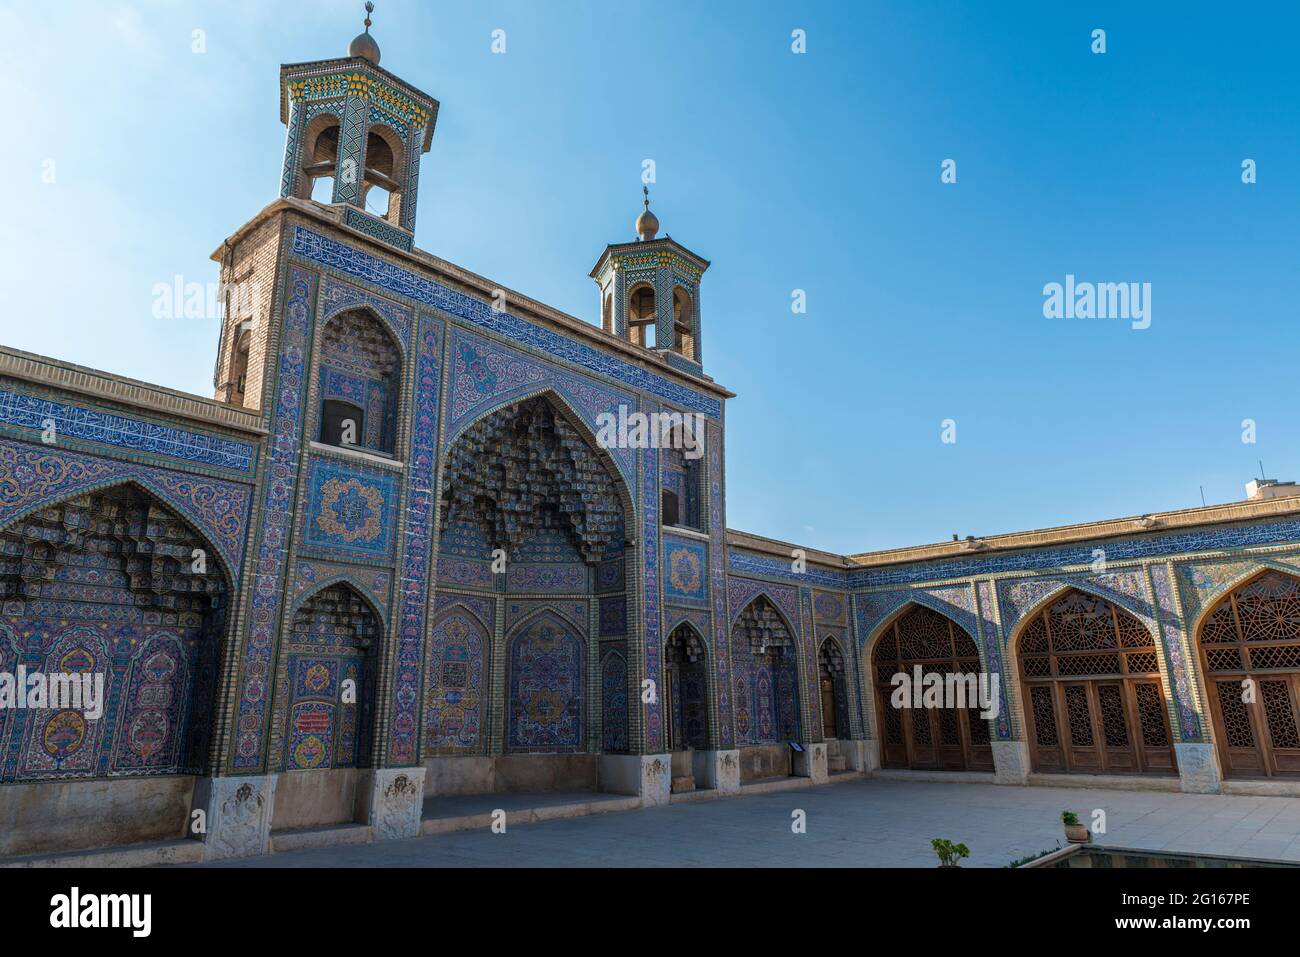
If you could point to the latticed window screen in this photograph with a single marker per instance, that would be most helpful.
(1094, 697)
(1250, 646)
(944, 737)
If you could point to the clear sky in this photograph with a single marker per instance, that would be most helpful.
(817, 171)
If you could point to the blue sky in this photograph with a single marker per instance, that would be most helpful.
(818, 171)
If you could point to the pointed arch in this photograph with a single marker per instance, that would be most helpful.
(918, 635)
(687, 669)
(545, 691)
(143, 597)
(357, 382)
(614, 701)
(1248, 653)
(767, 673)
(833, 674)
(326, 680)
(1088, 678)
(457, 689)
(554, 392)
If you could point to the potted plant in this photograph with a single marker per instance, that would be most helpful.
(949, 853)
(1075, 832)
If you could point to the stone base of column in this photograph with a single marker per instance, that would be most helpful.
(1198, 768)
(856, 754)
(236, 815)
(718, 770)
(392, 802)
(1010, 762)
(871, 755)
(811, 762)
(646, 775)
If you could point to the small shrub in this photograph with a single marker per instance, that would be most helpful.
(1069, 818)
(949, 853)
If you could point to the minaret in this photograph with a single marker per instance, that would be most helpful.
(650, 292)
(355, 136)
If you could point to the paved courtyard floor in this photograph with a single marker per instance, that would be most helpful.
(860, 823)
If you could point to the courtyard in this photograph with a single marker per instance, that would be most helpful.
(860, 823)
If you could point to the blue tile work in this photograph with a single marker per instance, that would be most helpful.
(402, 282)
(718, 583)
(34, 476)
(685, 571)
(613, 701)
(654, 729)
(275, 515)
(338, 296)
(613, 616)
(417, 546)
(989, 634)
(1179, 671)
(349, 510)
(378, 229)
(546, 661)
(125, 432)
(486, 376)
(456, 702)
(312, 576)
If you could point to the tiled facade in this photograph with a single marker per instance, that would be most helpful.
(341, 564)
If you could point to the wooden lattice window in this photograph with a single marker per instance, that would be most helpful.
(1250, 649)
(1092, 679)
(923, 738)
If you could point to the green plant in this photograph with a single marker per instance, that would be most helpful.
(1069, 818)
(949, 853)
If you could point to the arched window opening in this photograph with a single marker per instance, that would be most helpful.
(329, 672)
(320, 159)
(682, 478)
(360, 375)
(607, 313)
(922, 641)
(1250, 641)
(1093, 699)
(831, 676)
(117, 587)
(641, 316)
(382, 188)
(684, 322)
(686, 688)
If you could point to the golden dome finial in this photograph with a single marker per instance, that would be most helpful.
(647, 224)
(364, 45)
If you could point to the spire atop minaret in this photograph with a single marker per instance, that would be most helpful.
(364, 45)
(647, 224)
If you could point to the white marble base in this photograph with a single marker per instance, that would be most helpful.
(1010, 762)
(646, 775)
(1198, 768)
(237, 813)
(811, 762)
(718, 770)
(392, 803)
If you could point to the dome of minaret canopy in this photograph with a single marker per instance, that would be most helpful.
(647, 225)
(365, 46)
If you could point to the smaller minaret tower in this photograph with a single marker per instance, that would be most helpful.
(650, 292)
(356, 134)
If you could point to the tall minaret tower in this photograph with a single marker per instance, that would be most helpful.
(650, 292)
(356, 134)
